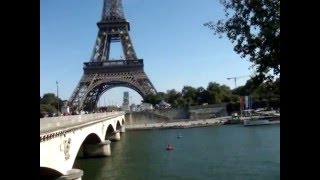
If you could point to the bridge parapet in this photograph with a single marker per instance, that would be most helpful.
(55, 123)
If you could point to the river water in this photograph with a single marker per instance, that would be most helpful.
(216, 152)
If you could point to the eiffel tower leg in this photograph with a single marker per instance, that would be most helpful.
(145, 83)
(92, 98)
(79, 95)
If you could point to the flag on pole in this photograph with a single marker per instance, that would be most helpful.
(250, 101)
(246, 102)
(241, 102)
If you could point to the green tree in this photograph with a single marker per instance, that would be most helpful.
(202, 95)
(226, 93)
(154, 98)
(213, 97)
(214, 93)
(172, 95)
(235, 98)
(254, 27)
(48, 98)
(189, 94)
(276, 87)
(213, 86)
(245, 90)
(47, 109)
(162, 96)
(51, 99)
(180, 101)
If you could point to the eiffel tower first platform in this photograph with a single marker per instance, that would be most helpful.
(101, 73)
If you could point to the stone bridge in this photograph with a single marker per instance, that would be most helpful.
(64, 138)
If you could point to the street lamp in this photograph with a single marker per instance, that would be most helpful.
(58, 97)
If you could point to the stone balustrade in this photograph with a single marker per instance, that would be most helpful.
(55, 123)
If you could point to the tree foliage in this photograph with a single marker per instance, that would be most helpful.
(47, 108)
(48, 98)
(254, 27)
(154, 98)
(172, 96)
(266, 94)
(49, 103)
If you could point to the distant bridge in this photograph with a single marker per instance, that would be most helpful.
(64, 138)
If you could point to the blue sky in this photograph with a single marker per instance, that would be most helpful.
(168, 34)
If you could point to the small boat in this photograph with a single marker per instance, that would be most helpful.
(262, 120)
(169, 147)
(180, 136)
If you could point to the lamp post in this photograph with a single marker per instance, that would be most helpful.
(130, 103)
(58, 97)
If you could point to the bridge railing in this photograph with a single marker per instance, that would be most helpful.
(55, 123)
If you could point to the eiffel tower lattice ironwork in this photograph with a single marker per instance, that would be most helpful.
(101, 73)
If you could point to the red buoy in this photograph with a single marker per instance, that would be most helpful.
(169, 147)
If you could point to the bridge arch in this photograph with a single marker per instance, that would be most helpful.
(48, 173)
(118, 126)
(92, 138)
(109, 132)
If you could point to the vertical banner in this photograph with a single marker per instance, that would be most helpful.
(247, 102)
(250, 102)
(241, 102)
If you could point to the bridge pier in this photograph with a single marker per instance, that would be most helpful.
(97, 150)
(128, 117)
(115, 136)
(123, 129)
(73, 174)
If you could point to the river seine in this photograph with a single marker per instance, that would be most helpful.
(217, 152)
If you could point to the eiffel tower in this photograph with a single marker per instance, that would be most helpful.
(101, 73)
